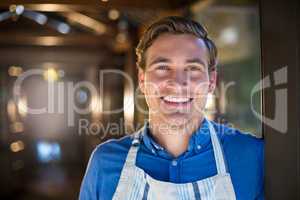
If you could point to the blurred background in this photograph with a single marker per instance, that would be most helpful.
(44, 156)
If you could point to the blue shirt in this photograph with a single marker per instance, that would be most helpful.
(244, 155)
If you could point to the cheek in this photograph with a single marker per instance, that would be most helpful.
(200, 94)
(154, 84)
(200, 87)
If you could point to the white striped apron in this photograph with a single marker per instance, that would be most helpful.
(135, 184)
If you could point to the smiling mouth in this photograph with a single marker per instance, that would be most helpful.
(173, 100)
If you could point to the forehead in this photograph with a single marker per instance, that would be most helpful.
(177, 46)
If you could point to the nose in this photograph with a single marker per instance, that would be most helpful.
(181, 78)
(178, 82)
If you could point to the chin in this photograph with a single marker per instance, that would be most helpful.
(176, 119)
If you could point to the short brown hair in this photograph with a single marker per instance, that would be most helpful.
(175, 25)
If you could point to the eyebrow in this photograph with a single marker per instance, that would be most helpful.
(196, 60)
(166, 60)
(160, 60)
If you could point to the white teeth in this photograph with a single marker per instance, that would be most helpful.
(176, 99)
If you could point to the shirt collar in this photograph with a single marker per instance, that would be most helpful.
(198, 141)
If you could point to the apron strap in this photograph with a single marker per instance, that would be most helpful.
(132, 153)
(127, 172)
(218, 151)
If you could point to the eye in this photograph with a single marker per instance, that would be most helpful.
(162, 67)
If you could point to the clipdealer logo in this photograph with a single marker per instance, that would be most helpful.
(278, 122)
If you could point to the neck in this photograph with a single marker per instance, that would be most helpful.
(175, 139)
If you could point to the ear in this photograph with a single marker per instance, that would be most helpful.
(141, 79)
(212, 80)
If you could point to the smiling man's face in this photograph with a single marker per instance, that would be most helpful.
(176, 79)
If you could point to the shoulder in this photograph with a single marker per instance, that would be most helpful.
(104, 167)
(226, 132)
(112, 148)
(240, 142)
(108, 155)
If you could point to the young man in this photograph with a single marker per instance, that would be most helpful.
(179, 154)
